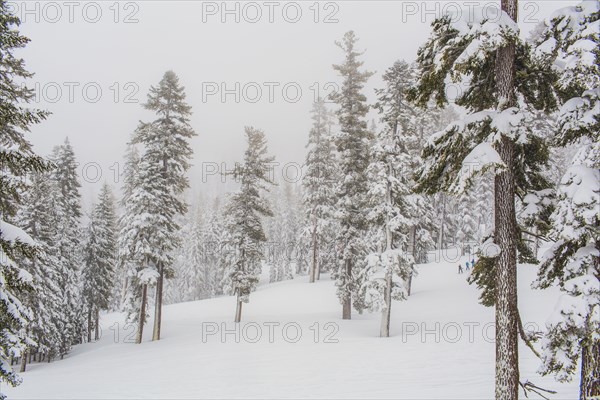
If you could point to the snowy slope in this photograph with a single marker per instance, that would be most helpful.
(413, 363)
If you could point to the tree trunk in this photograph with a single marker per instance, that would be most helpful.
(238, 309)
(441, 238)
(413, 251)
(313, 267)
(318, 271)
(124, 291)
(589, 386)
(89, 324)
(97, 325)
(507, 358)
(158, 303)
(507, 361)
(347, 304)
(387, 310)
(142, 316)
(24, 361)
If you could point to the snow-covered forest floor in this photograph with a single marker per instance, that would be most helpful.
(352, 362)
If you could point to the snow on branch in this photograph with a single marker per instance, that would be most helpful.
(481, 158)
(12, 233)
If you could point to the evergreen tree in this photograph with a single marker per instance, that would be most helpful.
(215, 246)
(278, 261)
(319, 186)
(17, 160)
(245, 209)
(68, 242)
(352, 144)
(128, 290)
(483, 195)
(467, 232)
(194, 271)
(284, 234)
(163, 167)
(100, 257)
(569, 40)
(502, 86)
(38, 217)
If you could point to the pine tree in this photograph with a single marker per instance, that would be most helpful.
(286, 257)
(38, 217)
(17, 160)
(162, 179)
(68, 242)
(352, 144)
(215, 246)
(130, 289)
(502, 86)
(193, 271)
(467, 232)
(390, 187)
(100, 256)
(319, 186)
(570, 40)
(245, 208)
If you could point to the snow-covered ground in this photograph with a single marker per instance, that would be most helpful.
(441, 348)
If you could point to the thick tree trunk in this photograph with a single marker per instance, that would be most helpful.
(347, 304)
(238, 309)
(89, 324)
(142, 316)
(507, 361)
(97, 325)
(158, 303)
(589, 386)
(507, 356)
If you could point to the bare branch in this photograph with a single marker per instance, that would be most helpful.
(530, 387)
(528, 339)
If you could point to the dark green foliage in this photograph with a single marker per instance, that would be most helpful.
(484, 276)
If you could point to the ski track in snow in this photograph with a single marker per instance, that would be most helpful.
(360, 365)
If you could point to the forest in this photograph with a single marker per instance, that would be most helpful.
(506, 172)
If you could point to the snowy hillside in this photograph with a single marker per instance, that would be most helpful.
(351, 362)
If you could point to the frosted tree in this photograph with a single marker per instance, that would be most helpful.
(468, 224)
(245, 209)
(100, 258)
(194, 273)
(502, 87)
(569, 41)
(68, 242)
(38, 217)
(483, 200)
(163, 166)
(280, 244)
(288, 253)
(17, 160)
(352, 143)
(126, 266)
(319, 181)
(216, 239)
(135, 240)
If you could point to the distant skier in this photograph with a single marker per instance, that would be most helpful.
(467, 265)
(473, 263)
(460, 270)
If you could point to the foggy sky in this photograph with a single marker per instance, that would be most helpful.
(73, 46)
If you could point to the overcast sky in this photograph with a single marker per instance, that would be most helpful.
(124, 48)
